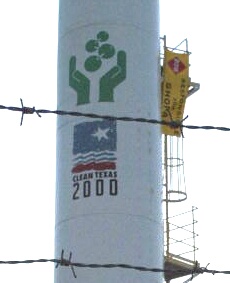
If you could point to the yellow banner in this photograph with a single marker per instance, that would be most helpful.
(174, 89)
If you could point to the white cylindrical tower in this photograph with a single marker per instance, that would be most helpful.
(108, 204)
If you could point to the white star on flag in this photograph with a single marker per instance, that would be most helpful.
(101, 134)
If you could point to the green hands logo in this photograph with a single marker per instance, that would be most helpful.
(109, 81)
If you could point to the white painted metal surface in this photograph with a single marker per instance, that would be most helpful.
(108, 205)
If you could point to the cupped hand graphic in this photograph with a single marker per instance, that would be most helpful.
(79, 82)
(113, 78)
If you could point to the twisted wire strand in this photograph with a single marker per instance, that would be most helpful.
(173, 124)
(67, 263)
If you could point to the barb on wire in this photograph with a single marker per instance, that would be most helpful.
(66, 262)
(27, 110)
(177, 124)
(194, 272)
(181, 126)
(173, 124)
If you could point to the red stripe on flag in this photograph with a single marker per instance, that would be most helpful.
(94, 166)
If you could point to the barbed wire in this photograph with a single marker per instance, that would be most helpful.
(68, 263)
(173, 124)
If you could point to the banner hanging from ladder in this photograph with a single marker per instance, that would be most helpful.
(174, 89)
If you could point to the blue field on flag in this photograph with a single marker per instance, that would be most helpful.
(94, 146)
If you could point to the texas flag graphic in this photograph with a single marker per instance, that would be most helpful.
(94, 146)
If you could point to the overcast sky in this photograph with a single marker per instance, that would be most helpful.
(28, 65)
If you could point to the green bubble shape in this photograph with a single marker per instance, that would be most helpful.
(93, 63)
(106, 51)
(92, 45)
(102, 36)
